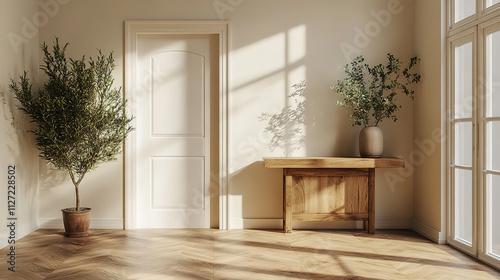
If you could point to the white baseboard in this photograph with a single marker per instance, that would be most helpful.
(256, 224)
(278, 224)
(436, 236)
(21, 232)
(3, 240)
(328, 225)
(57, 223)
(27, 229)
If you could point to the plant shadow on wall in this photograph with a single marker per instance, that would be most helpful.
(287, 127)
(14, 127)
(18, 144)
(19, 124)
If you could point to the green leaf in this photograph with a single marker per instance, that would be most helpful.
(369, 92)
(80, 118)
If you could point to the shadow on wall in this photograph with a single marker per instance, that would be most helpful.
(51, 177)
(15, 122)
(19, 135)
(20, 146)
(263, 189)
(97, 191)
(287, 128)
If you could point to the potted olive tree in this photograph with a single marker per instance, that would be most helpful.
(80, 119)
(370, 95)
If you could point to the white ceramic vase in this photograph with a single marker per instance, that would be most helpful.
(371, 142)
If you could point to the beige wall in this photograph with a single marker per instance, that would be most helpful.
(428, 195)
(16, 146)
(273, 44)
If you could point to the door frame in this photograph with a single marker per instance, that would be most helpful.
(134, 28)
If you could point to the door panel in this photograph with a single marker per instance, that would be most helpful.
(463, 9)
(463, 80)
(173, 133)
(462, 142)
(178, 84)
(490, 169)
(463, 206)
(171, 172)
(493, 193)
(493, 75)
(492, 139)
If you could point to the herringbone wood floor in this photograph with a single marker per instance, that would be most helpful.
(239, 254)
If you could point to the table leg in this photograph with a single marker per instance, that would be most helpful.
(284, 200)
(371, 200)
(287, 203)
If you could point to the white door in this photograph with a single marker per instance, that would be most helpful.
(172, 117)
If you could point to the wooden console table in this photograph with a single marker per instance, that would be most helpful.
(330, 188)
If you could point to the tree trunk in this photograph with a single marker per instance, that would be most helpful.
(77, 197)
(77, 184)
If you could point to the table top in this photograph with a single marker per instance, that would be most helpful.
(333, 162)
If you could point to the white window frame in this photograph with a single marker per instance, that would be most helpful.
(451, 15)
(479, 25)
(482, 14)
(486, 10)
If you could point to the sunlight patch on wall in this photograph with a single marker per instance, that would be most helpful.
(264, 73)
(258, 60)
(249, 141)
(296, 44)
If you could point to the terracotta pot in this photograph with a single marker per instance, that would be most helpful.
(76, 223)
(371, 142)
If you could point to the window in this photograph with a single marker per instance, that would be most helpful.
(491, 133)
(463, 9)
(490, 3)
(462, 143)
(474, 128)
